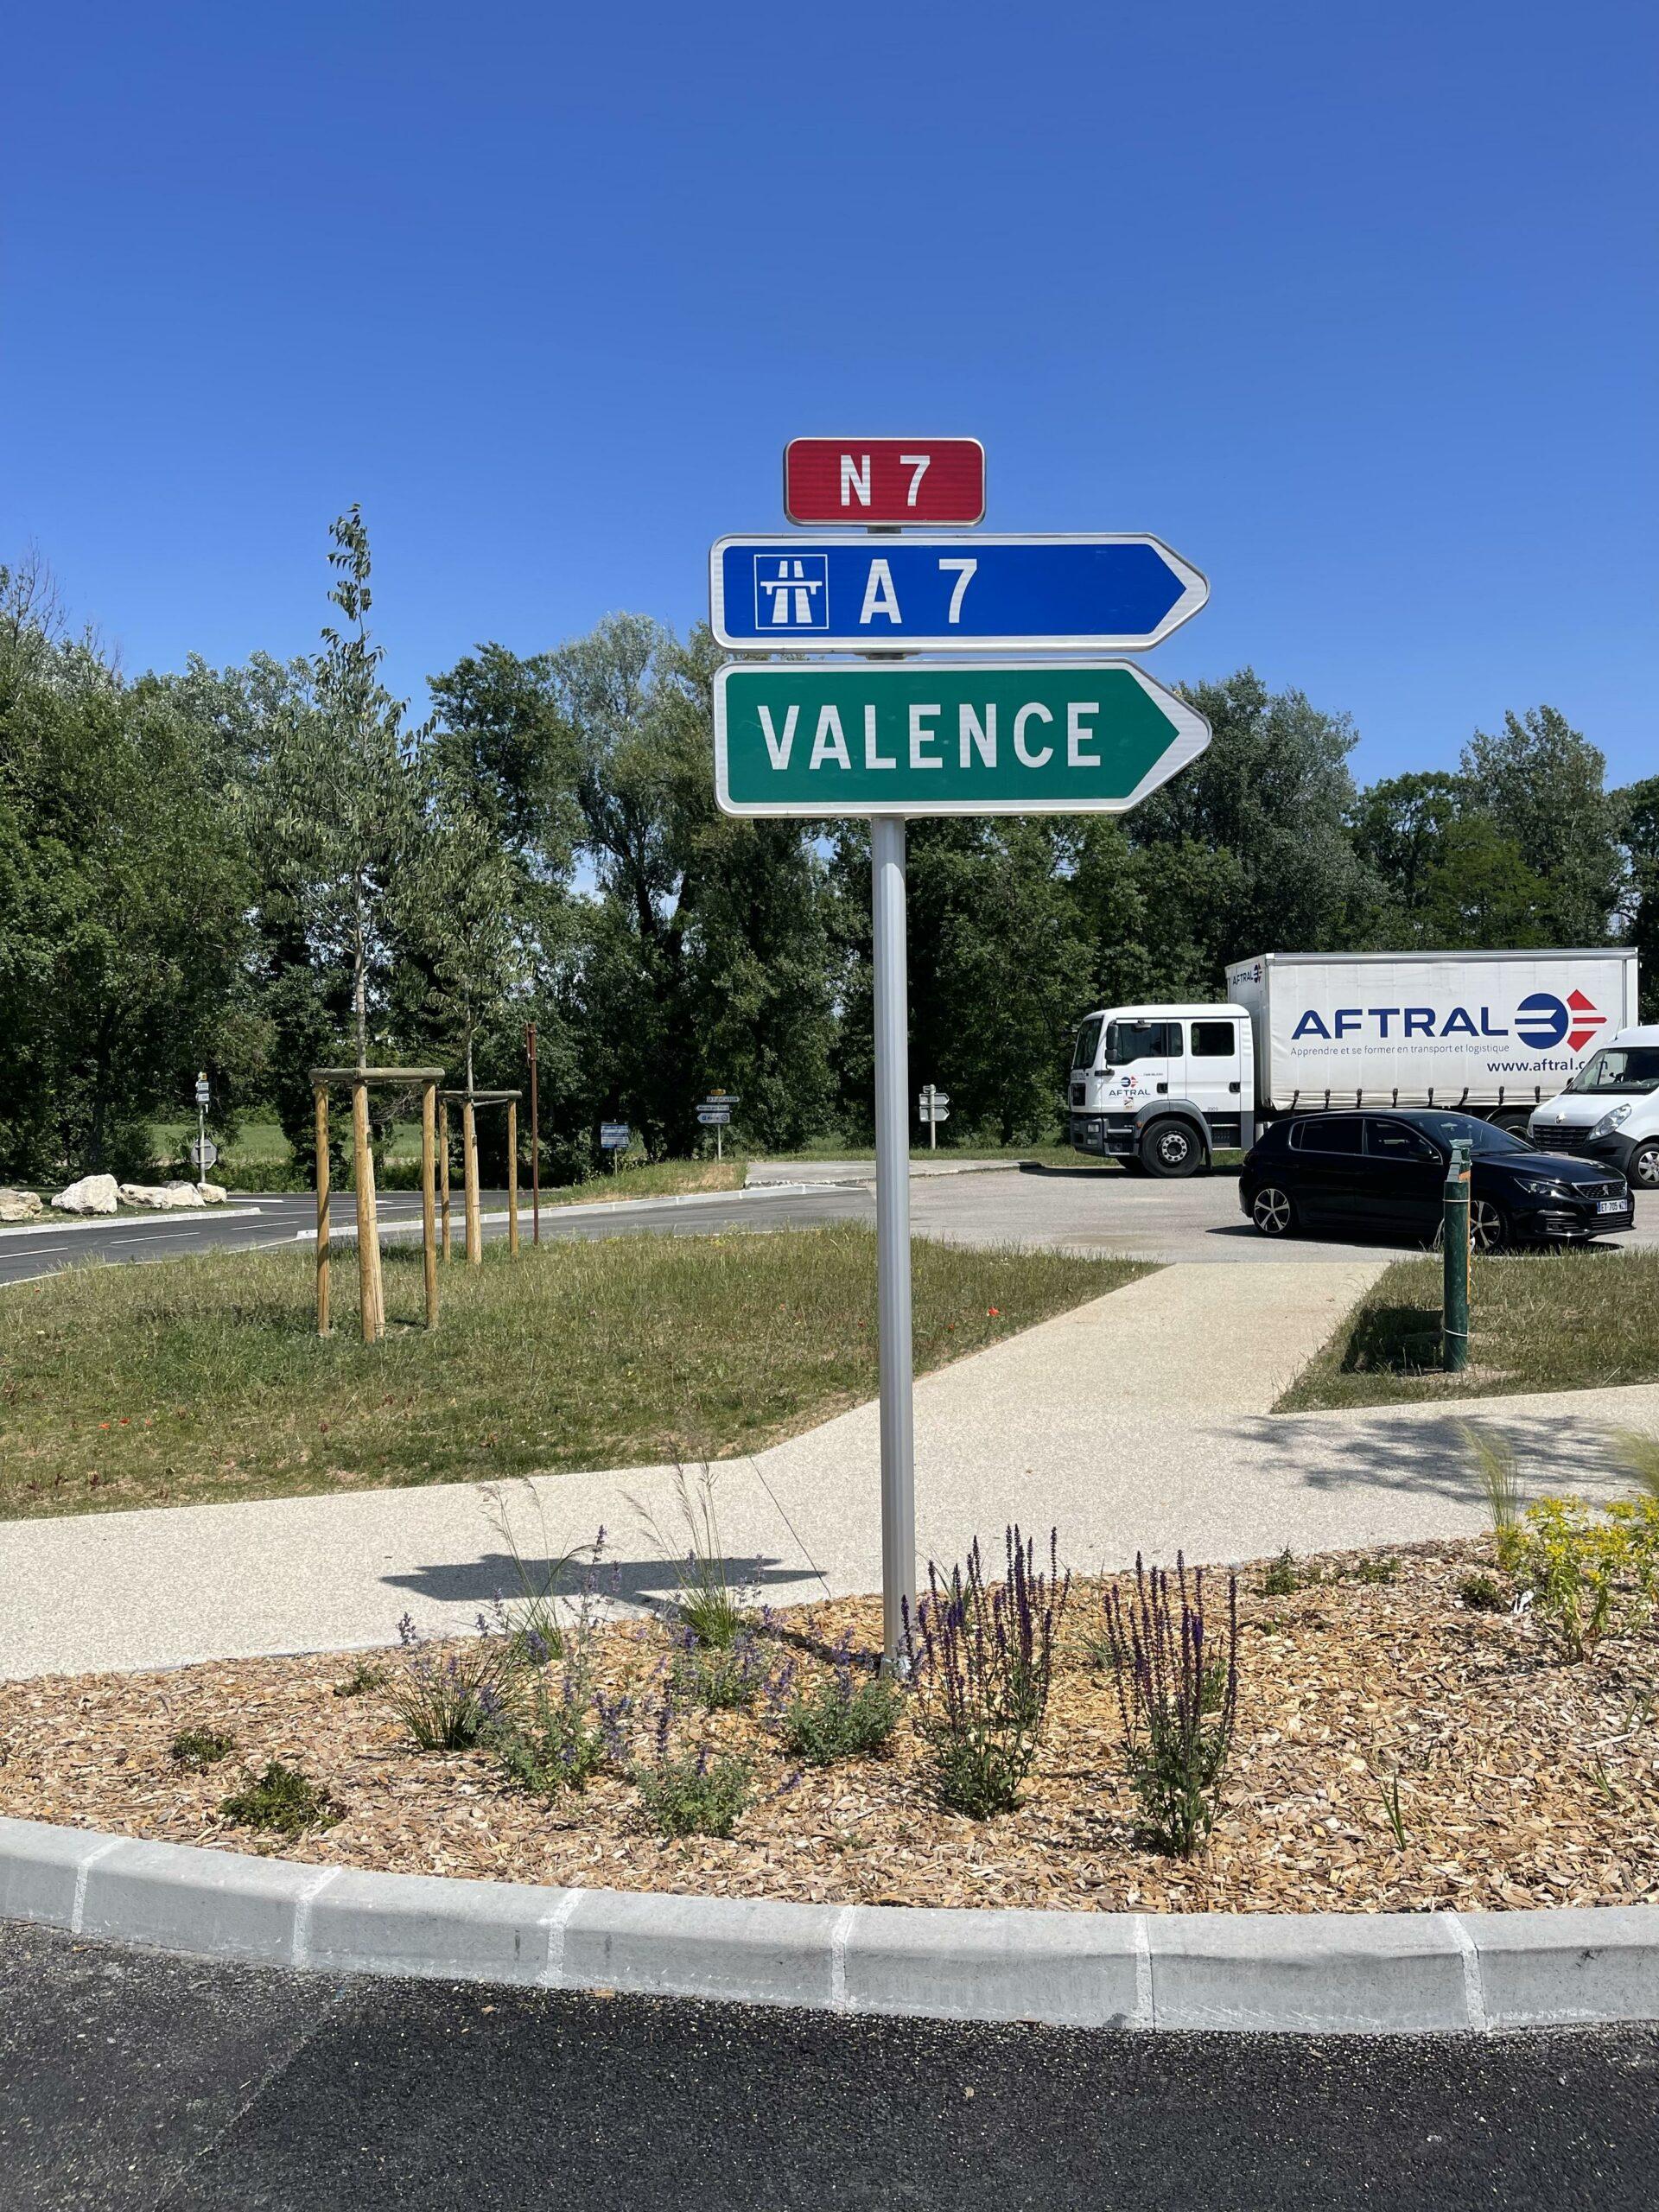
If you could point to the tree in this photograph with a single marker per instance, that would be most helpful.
(1274, 792)
(457, 908)
(337, 803)
(123, 892)
(1542, 784)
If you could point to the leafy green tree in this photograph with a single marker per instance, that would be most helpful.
(1542, 783)
(1480, 893)
(457, 911)
(123, 893)
(336, 806)
(1274, 792)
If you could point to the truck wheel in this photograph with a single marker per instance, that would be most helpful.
(1273, 1212)
(1171, 1149)
(1515, 1123)
(1642, 1167)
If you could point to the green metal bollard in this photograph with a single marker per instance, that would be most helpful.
(1454, 1302)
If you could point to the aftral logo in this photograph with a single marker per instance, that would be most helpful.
(1542, 1020)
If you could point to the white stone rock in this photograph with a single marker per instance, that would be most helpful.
(212, 1194)
(162, 1196)
(91, 1194)
(19, 1205)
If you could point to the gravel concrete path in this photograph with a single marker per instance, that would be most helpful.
(1139, 1421)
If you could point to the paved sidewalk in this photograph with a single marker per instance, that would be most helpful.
(1139, 1421)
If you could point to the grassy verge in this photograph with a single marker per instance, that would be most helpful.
(1544, 1321)
(654, 1178)
(203, 1379)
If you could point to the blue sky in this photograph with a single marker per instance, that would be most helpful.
(1354, 304)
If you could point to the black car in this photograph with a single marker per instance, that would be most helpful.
(1386, 1171)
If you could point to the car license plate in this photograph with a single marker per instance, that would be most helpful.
(1609, 1205)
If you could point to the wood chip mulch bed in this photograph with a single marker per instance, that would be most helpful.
(1523, 1781)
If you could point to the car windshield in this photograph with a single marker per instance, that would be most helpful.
(1483, 1137)
(1088, 1039)
(1627, 1068)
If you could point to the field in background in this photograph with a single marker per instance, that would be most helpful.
(203, 1379)
(1569, 1320)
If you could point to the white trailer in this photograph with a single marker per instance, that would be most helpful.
(1491, 1033)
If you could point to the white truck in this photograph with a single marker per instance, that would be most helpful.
(1164, 1088)
(1610, 1110)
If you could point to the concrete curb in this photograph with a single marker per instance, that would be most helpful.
(583, 1208)
(1311, 1974)
(136, 1218)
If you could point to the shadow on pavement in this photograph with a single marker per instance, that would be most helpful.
(648, 1583)
(1428, 1456)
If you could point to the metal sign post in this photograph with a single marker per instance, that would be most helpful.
(1454, 1236)
(200, 1152)
(893, 1230)
(894, 737)
(933, 1105)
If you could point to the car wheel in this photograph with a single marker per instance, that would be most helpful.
(1171, 1149)
(1272, 1211)
(1643, 1169)
(1489, 1230)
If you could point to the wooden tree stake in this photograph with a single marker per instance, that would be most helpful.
(322, 1096)
(443, 1168)
(429, 1231)
(371, 1295)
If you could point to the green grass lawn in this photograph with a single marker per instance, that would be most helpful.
(203, 1379)
(652, 1178)
(1571, 1320)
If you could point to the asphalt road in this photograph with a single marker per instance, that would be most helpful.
(1085, 1208)
(130, 2080)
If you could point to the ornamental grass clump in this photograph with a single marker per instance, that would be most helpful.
(1176, 1675)
(980, 1658)
(446, 1701)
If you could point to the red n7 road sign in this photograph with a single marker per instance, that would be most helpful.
(883, 480)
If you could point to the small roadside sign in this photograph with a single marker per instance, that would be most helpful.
(883, 480)
(714, 1116)
(934, 1105)
(203, 1151)
(615, 1137)
(202, 1092)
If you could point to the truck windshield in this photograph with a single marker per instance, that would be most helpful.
(1088, 1039)
(1628, 1068)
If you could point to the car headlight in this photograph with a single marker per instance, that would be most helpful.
(1612, 1121)
(1542, 1188)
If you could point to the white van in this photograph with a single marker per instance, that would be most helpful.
(1610, 1110)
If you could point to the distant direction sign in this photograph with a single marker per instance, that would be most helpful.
(1097, 592)
(884, 479)
(946, 737)
(615, 1136)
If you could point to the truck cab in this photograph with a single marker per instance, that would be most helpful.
(1610, 1110)
(1163, 1088)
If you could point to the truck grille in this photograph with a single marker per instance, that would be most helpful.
(1576, 1142)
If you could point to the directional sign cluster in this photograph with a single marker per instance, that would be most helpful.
(978, 734)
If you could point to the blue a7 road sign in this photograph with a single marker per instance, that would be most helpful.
(930, 591)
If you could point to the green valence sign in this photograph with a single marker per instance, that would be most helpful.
(946, 737)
